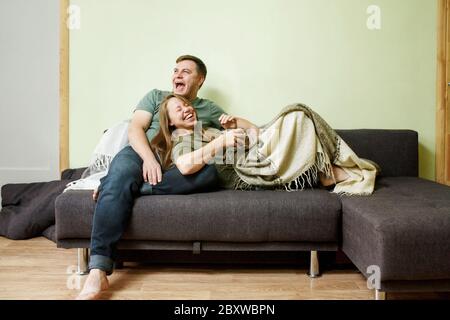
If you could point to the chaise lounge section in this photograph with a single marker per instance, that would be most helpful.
(403, 229)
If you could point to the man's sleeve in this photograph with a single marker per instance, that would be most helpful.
(216, 112)
(148, 102)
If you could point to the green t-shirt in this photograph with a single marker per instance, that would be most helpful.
(207, 111)
(223, 162)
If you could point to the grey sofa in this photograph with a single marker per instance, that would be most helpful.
(403, 229)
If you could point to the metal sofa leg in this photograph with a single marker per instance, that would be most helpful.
(314, 265)
(380, 295)
(83, 261)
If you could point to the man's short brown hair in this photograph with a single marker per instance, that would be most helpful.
(201, 67)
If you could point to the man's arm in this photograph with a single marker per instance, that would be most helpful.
(151, 169)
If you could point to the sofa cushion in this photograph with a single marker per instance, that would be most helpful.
(227, 216)
(404, 228)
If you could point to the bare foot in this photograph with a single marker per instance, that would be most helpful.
(326, 181)
(94, 285)
(339, 176)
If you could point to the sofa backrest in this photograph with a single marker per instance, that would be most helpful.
(395, 151)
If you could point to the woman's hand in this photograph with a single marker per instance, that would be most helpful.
(151, 171)
(227, 121)
(192, 162)
(95, 194)
(234, 137)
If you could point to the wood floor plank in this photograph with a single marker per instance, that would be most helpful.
(36, 269)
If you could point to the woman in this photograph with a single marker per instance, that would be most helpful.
(182, 142)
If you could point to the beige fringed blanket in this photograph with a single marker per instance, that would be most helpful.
(294, 148)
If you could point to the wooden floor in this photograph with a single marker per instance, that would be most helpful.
(36, 269)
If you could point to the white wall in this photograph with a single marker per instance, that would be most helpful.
(29, 90)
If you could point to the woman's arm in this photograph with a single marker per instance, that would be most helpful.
(194, 161)
(245, 124)
(231, 122)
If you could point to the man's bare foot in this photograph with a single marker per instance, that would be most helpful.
(96, 282)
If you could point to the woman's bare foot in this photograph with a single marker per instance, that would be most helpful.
(96, 282)
(339, 176)
(326, 181)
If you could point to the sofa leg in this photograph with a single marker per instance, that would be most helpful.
(314, 265)
(83, 261)
(380, 295)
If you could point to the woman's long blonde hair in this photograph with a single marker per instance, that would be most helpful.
(162, 143)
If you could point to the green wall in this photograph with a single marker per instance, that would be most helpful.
(261, 56)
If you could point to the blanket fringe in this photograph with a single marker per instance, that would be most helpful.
(306, 179)
(309, 178)
(324, 165)
(100, 163)
(240, 184)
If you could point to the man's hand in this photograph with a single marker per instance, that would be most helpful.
(227, 121)
(151, 171)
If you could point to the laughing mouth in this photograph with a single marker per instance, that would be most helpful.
(179, 85)
(189, 116)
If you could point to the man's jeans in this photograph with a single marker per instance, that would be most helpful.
(117, 192)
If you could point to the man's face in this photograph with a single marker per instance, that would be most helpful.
(185, 80)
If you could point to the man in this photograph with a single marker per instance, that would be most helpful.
(136, 165)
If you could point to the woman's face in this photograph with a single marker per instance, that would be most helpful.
(181, 116)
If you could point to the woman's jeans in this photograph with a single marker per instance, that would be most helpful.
(117, 192)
